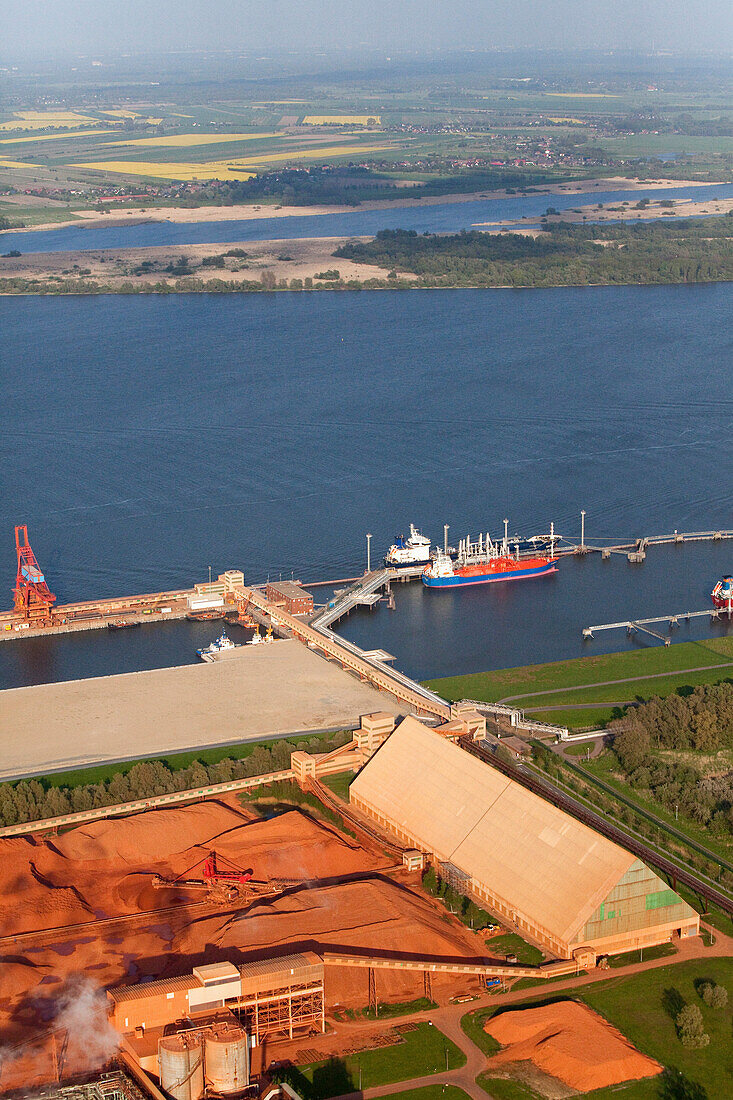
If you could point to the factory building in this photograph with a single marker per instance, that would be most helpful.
(547, 875)
(205, 1021)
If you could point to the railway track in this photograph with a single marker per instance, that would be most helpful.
(563, 801)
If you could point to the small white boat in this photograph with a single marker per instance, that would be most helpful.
(257, 638)
(221, 644)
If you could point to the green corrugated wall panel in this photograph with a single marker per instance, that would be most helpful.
(639, 900)
(661, 899)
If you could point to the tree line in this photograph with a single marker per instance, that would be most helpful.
(560, 255)
(36, 799)
(701, 721)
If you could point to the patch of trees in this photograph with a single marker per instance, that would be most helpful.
(701, 721)
(34, 799)
(352, 184)
(465, 909)
(563, 255)
(318, 186)
(690, 1028)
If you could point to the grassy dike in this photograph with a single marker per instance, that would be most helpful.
(587, 680)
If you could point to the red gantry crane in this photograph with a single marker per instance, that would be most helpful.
(33, 599)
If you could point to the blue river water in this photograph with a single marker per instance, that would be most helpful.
(144, 439)
(439, 218)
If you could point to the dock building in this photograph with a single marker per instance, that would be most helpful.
(290, 595)
(547, 875)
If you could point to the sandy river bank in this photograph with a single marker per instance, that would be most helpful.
(255, 211)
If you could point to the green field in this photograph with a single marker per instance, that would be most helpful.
(642, 1007)
(339, 784)
(561, 684)
(430, 1092)
(423, 1051)
(509, 943)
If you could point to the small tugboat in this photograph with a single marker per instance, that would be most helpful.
(221, 644)
(257, 638)
(485, 562)
(413, 550)
(122, 624)
(722, 594)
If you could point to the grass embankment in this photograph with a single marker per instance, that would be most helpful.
(643, 1007)
(584, 680)
(606, 769)
(339, 784)
(287, 794)
(423, 1051)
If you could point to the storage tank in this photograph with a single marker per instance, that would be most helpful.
(181, 1061)
(227, 1060)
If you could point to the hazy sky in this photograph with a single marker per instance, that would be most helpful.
(83, 26)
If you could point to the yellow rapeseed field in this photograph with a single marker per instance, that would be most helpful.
(17, 164)
(195, 139)
(119, 113)
(235, 168)
(578, 120)
(340, 120)
(39, 120)
(174, 171)
(52, 137)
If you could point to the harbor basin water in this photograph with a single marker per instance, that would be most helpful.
(145, 439)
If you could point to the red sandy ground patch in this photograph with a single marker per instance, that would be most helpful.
(105, 870)
(569, 1041)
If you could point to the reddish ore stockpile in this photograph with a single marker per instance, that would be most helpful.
(569, 1041)
(89, 907)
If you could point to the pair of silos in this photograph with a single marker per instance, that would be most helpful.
(215, 1060)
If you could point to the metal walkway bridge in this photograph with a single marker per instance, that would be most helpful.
(349, 656)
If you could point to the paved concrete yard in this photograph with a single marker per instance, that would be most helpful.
(260, 691)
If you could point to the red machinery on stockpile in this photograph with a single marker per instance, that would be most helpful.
(222, 880)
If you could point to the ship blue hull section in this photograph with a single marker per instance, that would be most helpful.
(515, 575)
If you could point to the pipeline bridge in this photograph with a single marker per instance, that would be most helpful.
(643, 625)
(349, 656)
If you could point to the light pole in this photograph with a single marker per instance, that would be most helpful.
(582, 529)
(369, 552)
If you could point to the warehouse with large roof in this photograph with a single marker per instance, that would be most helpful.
(551, 877)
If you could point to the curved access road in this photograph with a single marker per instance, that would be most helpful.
(448, 1018)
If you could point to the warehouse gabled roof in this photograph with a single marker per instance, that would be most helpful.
(547, 866)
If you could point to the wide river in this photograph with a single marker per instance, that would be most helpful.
(144, 439)
(449, 217)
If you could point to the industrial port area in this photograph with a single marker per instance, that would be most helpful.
(289, 933)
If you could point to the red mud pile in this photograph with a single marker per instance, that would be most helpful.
(105, 870)
(569, 1041)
